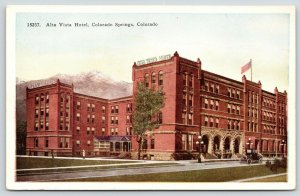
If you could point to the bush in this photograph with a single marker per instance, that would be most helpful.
(183, 156)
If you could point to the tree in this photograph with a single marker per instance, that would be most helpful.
(147, 105)
(21, 137)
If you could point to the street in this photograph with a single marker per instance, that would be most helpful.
(181, 166)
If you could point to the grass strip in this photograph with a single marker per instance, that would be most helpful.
(209, 175)
(282, 178)
(30, 162)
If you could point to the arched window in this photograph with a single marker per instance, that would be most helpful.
(160, 78)
(147, 80)
(153, 78)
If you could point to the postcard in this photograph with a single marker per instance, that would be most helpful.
(150, 98)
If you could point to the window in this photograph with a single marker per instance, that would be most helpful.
(42, 97)
(228, 108)
(233, 93)
(127, 119)
(93, 130)
(191, 80)
(228, 124)
(206, 86)
(88, 118)
(190, 119)
(103, 109)
(36, 126)
(88, 143)
(211, 122)
(112, 120)
(47, 125)
(117, 109)
(112, 109)
(238, 125)
(93, 107)
(116, 120)
(37, 98)
(112, 131)
(184, 100)
(41, 124)
(160, 118)
(78, 117)
(238, 94)
(206, 121)
(238, 110)
(77, 143)
(205, 103)
(153, 78)
(103, 119)
(211, 104)
(183, 117)
(233, 109)
(152, 143)
(36, 142)
(217, 105)
(190, 100)
(88, 129)
(232, 125)
(61, 142)
(67, 126)
(47, 98)
(217, 123)
(116, 131)
(36, 113)
(93, 118)
(103, 131)
(129, 107)
(160, 78)
(217, 89)
(67, 143)
(78, 130)
(88, 107)
(46, 142)
(228, 92)
(211, 89)
(147, 80)
(184, 76)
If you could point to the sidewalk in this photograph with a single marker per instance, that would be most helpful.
(260, 177)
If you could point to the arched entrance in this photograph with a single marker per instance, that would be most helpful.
(216, 143)
(227, 144)
(205, 144)
(236, 145)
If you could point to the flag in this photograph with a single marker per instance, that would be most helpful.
(246, 67)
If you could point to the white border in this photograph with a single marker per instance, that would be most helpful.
(11, 96)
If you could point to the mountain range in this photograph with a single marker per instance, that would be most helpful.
(92, 83)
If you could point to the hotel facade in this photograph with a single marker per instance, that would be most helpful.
(231, 116)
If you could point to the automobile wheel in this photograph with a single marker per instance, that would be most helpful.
(249, 161)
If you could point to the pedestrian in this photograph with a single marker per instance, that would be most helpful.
(52, 154)
(83, 154)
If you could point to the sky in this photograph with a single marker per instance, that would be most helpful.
(223, 42)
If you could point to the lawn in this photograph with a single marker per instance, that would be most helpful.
(92, 168)
(34, 162)
(281, 178)
(210, 175)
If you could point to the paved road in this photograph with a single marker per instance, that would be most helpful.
(129, 171)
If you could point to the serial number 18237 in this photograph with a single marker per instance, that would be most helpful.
(33, 24)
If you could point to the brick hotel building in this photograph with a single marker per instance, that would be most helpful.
(231, 116)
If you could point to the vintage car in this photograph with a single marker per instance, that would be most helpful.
(252, 156)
